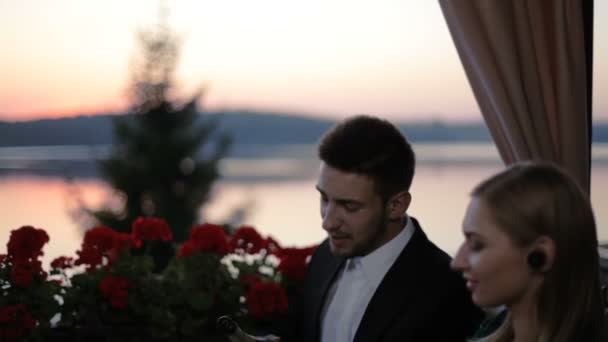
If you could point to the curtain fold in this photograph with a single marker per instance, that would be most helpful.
(526, 63)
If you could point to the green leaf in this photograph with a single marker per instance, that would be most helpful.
(201, 302)
(191, 326)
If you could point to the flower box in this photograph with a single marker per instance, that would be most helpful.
(113, 291)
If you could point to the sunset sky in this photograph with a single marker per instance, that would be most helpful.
(321, 57)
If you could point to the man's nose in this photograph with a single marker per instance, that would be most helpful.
(330, 215)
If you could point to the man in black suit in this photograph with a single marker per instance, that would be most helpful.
(376, 277)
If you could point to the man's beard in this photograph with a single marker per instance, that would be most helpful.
(379, 233)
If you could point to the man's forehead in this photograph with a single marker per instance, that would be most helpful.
(336, 183)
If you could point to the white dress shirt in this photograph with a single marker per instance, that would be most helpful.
(354, 287)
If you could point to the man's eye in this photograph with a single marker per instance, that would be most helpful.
(352, 207)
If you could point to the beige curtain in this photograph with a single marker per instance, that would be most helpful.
(525, 61)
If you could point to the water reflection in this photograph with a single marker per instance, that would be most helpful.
(278, 193)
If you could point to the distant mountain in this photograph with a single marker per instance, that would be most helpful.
(82, 130)
(246, 127)
(249, 127)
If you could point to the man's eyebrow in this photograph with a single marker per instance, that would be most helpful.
(344, 201)
(348, 201)
(340, 200)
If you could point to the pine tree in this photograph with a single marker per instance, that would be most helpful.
(165, 158)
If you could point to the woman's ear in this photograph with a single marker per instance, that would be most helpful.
(398, 204)
(542, 254)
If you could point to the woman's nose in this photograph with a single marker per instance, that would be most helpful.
(459, 262)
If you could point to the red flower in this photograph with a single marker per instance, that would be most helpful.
(123, 241)
(294, 262)
(62, 262)
(101, 241)
(210, 238)
(26, 243)
(150, 228)
(272, 246)
(21, 276)
(266, 298)
(89, 256)
(187, 248)
(247, 239)
(116, 289)
(249, 279)
(100, 238)
(23, 272)
(15, 322)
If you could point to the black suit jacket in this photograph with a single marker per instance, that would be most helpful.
(419, 299)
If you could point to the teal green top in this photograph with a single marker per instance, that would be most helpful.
(489, 325)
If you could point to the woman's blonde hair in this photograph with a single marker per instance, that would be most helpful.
(534, 199)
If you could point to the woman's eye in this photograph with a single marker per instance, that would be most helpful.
(475, 246)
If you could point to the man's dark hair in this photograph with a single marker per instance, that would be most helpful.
(372, 147)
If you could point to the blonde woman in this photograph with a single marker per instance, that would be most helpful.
(531, 245)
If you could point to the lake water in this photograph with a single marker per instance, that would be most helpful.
(277, 190)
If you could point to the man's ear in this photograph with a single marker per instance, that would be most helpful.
(542, 254)
(398, 204)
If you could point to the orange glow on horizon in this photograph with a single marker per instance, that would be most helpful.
(63, 112)
(327, 58)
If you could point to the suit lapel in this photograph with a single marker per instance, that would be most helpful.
(394, 290)
(329, 273)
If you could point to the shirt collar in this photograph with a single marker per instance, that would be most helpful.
(376, 264)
